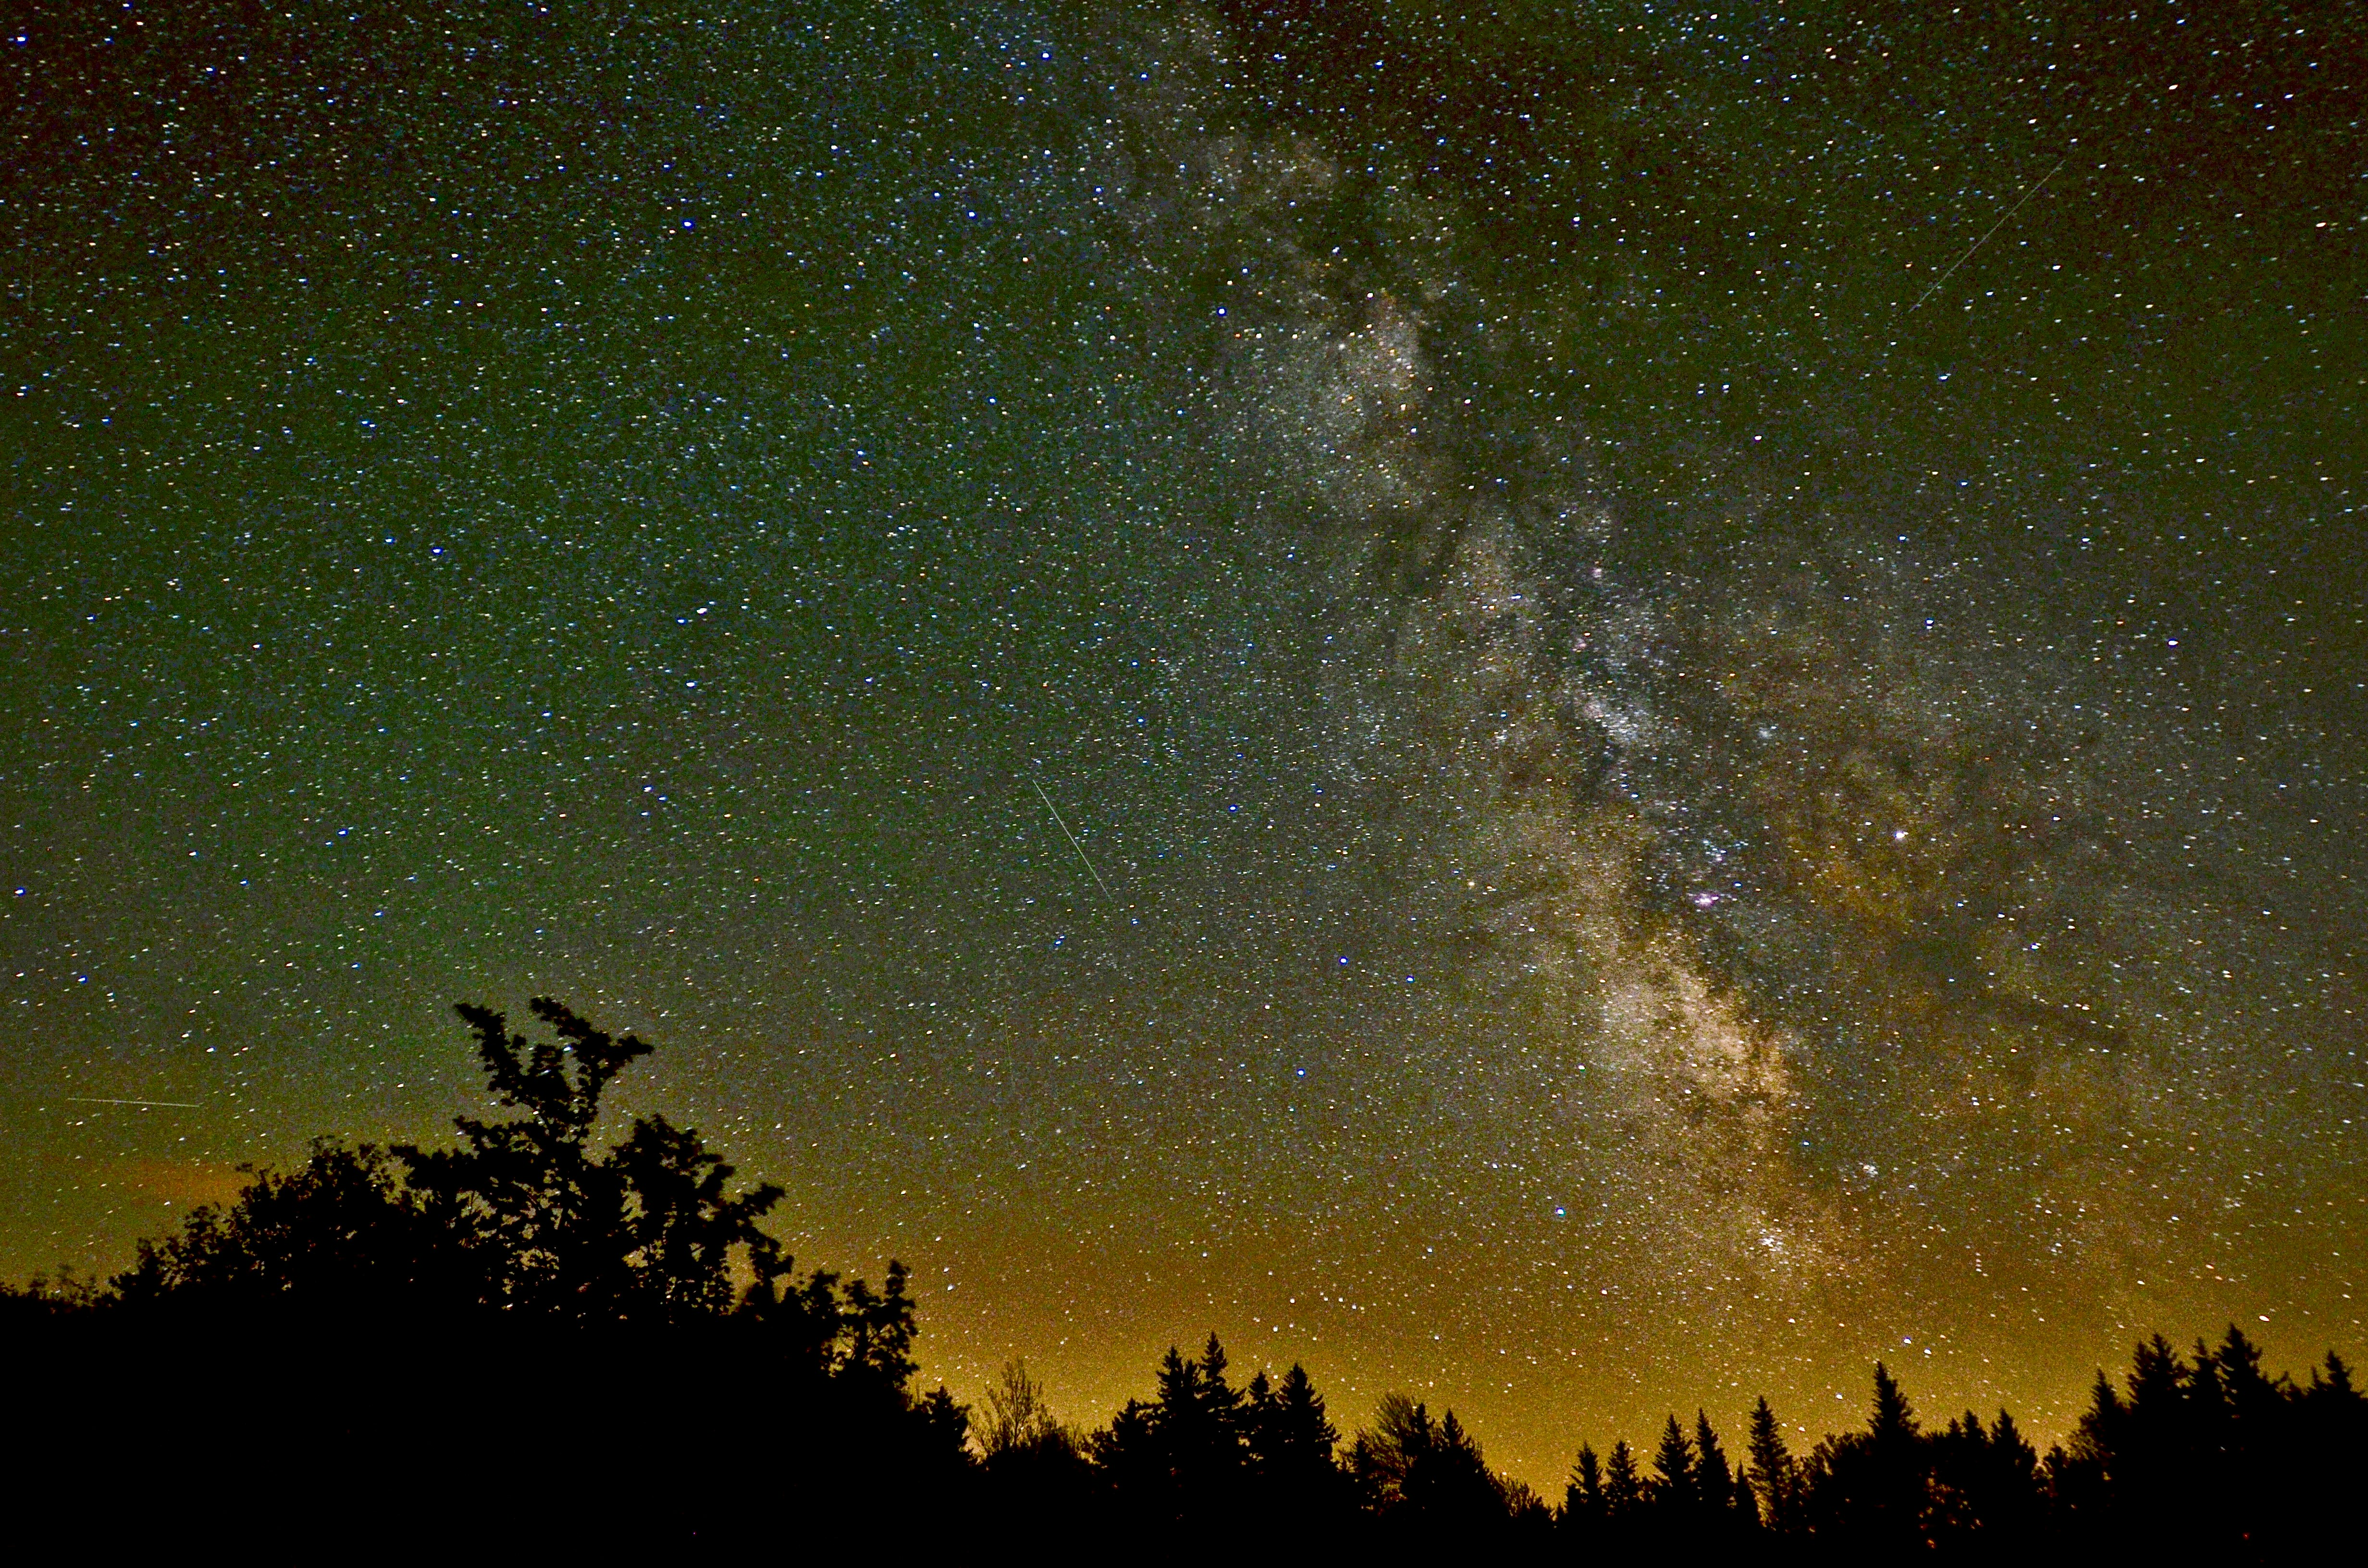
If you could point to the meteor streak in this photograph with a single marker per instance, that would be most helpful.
(95, 1099)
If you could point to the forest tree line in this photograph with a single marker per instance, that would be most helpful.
(536, 1340)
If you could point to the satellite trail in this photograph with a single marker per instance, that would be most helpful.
(1072, 837)
(2029, 191)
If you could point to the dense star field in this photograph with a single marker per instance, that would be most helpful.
(1586, 711)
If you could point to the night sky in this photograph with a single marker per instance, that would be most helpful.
(1669, 795)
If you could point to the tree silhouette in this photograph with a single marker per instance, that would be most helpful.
(1299, 1485)
(548, 1220)
(1672, 1489)
(1447, 1489)
(1181, 1457)
(1726, 1503)
(1986, 1492)
(1773, 1472)
(1385, 1452)
(609, 1352)
(585, 1300)
(1035, 1468)
(341, 1234)
(1127, 1454)
(1869, 1489)
(680, 1226)
(1582, 1496)
(1016, 1418)
(1624, 1489)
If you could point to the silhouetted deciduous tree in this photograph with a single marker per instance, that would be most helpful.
(1382, 1453)
(341, 1234)
(1035, 1468)
(545, 1311)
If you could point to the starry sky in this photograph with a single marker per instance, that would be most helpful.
(1582, 708)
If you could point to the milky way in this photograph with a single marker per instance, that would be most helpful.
(1346, 677)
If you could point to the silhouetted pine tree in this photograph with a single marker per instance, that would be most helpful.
(1131, 1458)
(1675, 1499)
(1181, 1457)
(1986, 1491)
(2134, 1476)
(1582, 1496)
(2330, 1441)
(1626, 1525)
(2251, 1396)
(1624, 1489)
(1187, 1438)
(1773, 1474)
(1292, 1444)
(1221, 1402)
(1715, 1484)
(1448, 1491)
(1869, 1489)
(2077, 1471)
